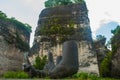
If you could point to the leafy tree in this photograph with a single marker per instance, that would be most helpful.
(115, 40)
(28, 27)
(2, 14)
(116, 31)
(105, 66)
(40, 62)
(100, 37)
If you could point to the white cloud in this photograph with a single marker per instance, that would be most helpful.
(102, 11)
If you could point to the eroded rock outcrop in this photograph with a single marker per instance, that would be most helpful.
(78, 15)
(101, 50)
(14, 41)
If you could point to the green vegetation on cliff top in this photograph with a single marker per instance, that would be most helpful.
(54, 3)
(19, 24)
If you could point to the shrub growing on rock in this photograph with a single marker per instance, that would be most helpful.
(40, 62)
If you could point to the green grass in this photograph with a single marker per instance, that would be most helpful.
(15, 75)
(77, 76)
(86, 76)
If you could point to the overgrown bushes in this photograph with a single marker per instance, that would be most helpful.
(86, 76)
(105, 66)
(16, 75)
(40, 62)
(78, 76)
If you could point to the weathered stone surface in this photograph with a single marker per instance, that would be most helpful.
(69, 63)
(11, 58)
(78, 14)
(101, 50)
(11, 47)
(50, 64)
(58, 59)
(87, 58)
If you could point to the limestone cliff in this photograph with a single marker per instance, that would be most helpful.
(116, 65)
(77, 14)
(14, 41)
(115, 42)
(101, 50)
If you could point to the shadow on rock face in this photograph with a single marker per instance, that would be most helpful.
(50, 65)
(58, 59)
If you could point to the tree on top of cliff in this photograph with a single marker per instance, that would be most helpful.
(54, 3)
(115, 40)
(2, 14)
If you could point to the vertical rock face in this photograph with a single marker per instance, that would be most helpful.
(116, 65)
(14, 41)
(115, 69)
(78, 14)
(101, 50)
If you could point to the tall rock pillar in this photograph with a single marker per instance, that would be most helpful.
(78, 14)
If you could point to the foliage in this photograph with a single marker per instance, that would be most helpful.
(105, 66)
(100, 37)
(84, 76)
(16, 75)
(19, 24)
(58, 31)
(88, 76)
(115, 40)
(2, 14)
(40, 62)
(80, 75)
(54, 3)
(116, 31)
(25, 29)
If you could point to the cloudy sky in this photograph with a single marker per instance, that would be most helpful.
(104, 14)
